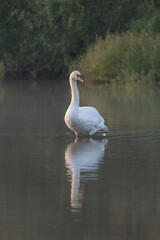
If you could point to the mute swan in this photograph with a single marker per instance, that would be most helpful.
(82, 120)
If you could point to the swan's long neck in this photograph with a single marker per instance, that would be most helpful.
(74, 93)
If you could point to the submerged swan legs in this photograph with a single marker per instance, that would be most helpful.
(99, 134)
(82, 135)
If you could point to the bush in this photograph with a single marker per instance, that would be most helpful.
(150, 23)
(2, 72)
(44, 36)
(133, 57)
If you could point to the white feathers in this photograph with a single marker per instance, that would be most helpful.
(82, 120)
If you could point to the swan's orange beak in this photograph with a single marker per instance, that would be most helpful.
(80, 79)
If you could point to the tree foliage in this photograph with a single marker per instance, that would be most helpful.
(45, 36)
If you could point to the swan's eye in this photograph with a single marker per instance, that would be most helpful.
(78, 76)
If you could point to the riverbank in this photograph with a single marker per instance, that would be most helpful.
(2, 72)
(113, 43)
(130, 58)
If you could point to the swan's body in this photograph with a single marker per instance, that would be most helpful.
(82, 120)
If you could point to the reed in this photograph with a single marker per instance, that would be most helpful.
(131, 57)
(2, 72)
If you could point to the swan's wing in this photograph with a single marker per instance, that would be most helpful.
(90, 120)
(90, 114)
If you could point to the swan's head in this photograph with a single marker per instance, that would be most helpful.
(76, 76)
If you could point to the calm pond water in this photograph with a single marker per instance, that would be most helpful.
(55, 187)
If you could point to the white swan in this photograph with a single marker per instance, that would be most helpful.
(82, 120)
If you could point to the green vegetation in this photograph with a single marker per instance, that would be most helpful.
(150, 23)
(42, 37)
(1, 70)
(131, 57)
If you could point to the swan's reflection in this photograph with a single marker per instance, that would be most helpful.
(82, 160)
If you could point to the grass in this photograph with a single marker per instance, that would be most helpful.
(2, 73)
(130, 58)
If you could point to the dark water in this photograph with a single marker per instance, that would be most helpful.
(55, 187)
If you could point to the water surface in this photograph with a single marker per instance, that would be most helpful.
(53, 186)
